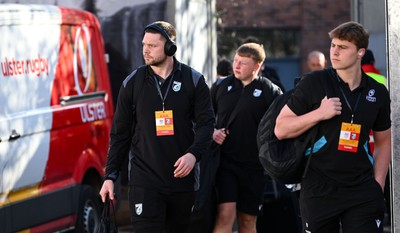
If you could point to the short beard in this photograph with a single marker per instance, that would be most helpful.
(156, 61)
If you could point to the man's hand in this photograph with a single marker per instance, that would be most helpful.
(184, 165)
(219, 136)
(330, 107)
(107, 189)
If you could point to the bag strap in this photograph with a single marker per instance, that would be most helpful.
(218, 90)
(234, 113)
(269, 91)
(106, 209)
(311, 152)
(265, 83)
(327, 85)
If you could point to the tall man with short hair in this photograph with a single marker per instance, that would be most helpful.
(345, 181)
(164, 121)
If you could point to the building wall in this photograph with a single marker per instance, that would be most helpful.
(260, 13)
(314, 19)
(318, 18)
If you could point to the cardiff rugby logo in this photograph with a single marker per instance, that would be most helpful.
(139, 208)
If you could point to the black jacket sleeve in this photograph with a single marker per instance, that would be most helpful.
(121, 131)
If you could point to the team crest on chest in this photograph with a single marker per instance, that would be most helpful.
(229, 88)
(257, 92)
(176, 86)
(370, 97)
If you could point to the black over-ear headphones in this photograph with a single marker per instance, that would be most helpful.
(169, 46)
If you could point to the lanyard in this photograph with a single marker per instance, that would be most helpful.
(348, 104)
(159, 90)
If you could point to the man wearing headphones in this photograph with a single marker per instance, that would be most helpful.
(164, 121)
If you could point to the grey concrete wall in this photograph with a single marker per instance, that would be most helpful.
(393, 41)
